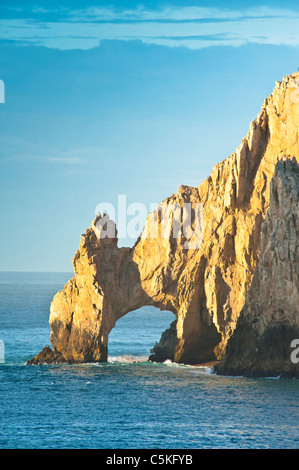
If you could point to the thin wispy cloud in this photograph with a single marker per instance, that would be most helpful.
(66, 160)
(14, 151)
(42, 158)
(191, 27)
(142, 14)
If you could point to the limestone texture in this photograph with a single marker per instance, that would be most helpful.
(204, 286)
(261, 344)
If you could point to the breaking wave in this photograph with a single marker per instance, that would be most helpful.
(200, 368)
(127, 359)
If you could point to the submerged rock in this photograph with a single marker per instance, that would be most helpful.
(204, 285)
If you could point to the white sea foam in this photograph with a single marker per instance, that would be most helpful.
(168, 362)
(195, 368)
(127, 359)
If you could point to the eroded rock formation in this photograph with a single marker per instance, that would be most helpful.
(269, 321)
(205, 286)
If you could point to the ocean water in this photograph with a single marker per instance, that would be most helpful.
(124, 404)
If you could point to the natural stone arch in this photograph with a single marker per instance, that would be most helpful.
(205, 287)
(110, 282)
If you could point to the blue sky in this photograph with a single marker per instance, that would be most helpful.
(104, 99)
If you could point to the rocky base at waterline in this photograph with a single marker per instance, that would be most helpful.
(163, 350)
(268, 355)
(261, 344)
(47, 356)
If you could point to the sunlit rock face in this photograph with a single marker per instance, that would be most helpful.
(269, 322)
(203, 284)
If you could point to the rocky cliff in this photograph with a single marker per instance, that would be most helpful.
(269, 320)
(203, 285)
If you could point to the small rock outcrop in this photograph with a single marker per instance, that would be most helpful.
(203, 284)
(261, 344)
(47, 356)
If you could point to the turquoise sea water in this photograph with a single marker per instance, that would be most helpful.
(124, 404)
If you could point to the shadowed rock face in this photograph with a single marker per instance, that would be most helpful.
(269, 321)
(205, 286)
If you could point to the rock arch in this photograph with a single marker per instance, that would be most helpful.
(110, 282)
(204, 286)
